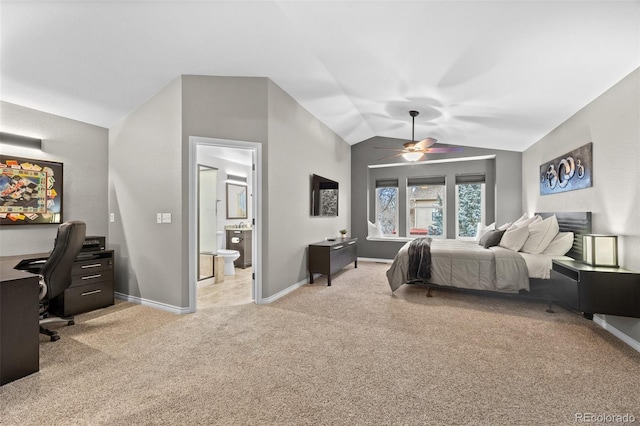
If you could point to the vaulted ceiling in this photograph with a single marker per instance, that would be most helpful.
(494, 74)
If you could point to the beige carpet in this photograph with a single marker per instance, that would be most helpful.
(347, 354)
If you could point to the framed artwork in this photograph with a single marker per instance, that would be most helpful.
(236, 201)
(571, 171)
(30, 191)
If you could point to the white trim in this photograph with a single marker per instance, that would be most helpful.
(151, 303)
(194, 141)
(282, 293)
(443, 160)
(394, 239)
(372, 259)
(619, 334)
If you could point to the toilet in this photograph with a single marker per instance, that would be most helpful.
(229, 255)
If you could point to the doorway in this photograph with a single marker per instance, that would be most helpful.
(225, 164)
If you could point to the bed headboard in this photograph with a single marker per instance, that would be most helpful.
(577, 222)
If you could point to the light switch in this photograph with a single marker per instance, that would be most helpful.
(112, 217)
(166, 217)
(159, 218)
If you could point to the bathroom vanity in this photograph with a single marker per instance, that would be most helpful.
(239, 239)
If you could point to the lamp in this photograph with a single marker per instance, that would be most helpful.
(412, 156)
(600, 250)
(22, 141)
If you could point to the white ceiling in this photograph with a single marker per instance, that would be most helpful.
(498, 74)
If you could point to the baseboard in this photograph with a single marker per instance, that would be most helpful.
(372, 259)
(619, 334)
(282, 293)
(152, 304)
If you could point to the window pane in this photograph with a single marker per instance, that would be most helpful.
(426, 210)
(387, 210)
(470, 209)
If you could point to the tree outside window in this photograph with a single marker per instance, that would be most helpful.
(470, 209)
(387, 210)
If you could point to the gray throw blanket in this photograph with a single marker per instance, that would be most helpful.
(419, 260)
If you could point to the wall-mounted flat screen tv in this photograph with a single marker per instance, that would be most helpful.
(30, 191)
(324, 196)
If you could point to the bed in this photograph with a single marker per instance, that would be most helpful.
(470, 266)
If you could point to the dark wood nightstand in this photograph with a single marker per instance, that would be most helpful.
(598, 290)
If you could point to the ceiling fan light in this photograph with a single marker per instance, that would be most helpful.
(412, 156)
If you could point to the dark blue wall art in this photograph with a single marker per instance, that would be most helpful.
(568, 172)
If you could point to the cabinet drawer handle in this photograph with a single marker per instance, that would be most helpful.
(93, 265)
(351, 243)
(337, 247)
(88, 293)
(88, 277)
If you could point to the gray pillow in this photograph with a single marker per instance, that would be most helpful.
(491, 238)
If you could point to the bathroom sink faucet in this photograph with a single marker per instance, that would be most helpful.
(241, 225)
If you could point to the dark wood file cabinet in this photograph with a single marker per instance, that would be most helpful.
(91, 284)
(598, 290)
(328, 257)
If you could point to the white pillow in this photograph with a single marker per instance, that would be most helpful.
(504, 227)
(560, 245)
(540, 235)
(514, 238)
(482, 229)
(522, 218)
(525, 222)
(373, 230)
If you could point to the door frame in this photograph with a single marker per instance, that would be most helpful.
(256, 209)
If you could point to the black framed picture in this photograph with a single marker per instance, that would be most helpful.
(30, 191)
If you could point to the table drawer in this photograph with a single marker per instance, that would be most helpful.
(87, 267)
(341, 256)
(88, 297)
(91, 277)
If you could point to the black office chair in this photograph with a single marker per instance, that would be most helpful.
(55, 275)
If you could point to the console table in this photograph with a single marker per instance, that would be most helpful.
(328, 257)
(598, 290)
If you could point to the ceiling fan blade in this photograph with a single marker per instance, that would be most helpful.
(393, 149)
(425, 143)
(391, 156)
(441, 150)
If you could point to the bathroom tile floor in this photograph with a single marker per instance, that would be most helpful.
(234, 290)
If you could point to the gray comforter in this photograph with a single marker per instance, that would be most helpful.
(466, 264)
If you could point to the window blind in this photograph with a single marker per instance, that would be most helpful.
(470, 178)
(387, 183)
(422, 181)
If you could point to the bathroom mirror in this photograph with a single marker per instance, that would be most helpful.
(236, 201)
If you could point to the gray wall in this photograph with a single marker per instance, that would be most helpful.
(145, 175)
(83, 149)
(612, 123)
(505, 169)
(299, 146)
(149, 160)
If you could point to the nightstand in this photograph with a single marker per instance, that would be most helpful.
(597, 289)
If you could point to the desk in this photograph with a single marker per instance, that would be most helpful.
(19, 320)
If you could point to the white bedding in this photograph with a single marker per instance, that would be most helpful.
(539, 265)
(466, 264)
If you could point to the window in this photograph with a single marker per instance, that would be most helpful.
(426, 207)
(387, 207)
(470, 204)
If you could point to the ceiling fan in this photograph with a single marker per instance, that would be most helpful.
(414, 151)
